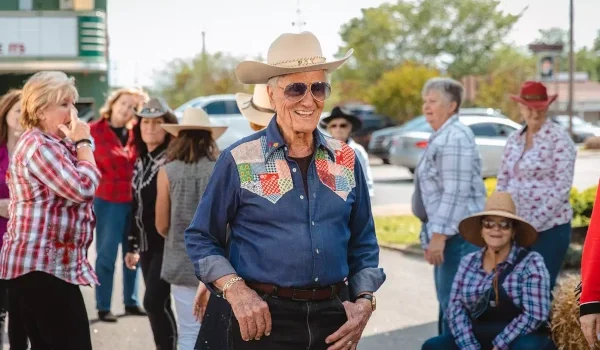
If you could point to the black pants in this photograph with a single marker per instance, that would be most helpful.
(213, 332)
(157, 302)
(17, 337)
(296, 325)
(53, 312)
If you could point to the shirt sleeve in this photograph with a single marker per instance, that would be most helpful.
(563, 159)
(535, 295)
(363, 250)
(206, 237)
(454, 162)
(363, 157)
(458, 316)
(503, 171)
(590, 263)
(76, 182)
(133, 237)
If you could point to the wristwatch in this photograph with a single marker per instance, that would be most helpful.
(371, 298)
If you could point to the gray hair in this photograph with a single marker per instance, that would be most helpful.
(451, 89)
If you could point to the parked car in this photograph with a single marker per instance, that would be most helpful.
(222, 110)
(381, 140)
(581, 128)
(371, 122)
(491, 133)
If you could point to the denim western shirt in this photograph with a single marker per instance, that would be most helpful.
(278, 233)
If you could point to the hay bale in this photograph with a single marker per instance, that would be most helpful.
(592, 142)
(566, 329)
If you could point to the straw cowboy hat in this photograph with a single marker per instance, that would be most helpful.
(340, 112)
(195, 119)
(154, 108)
(534, 95)
(256, 107)
(499, 204)
(289, 53)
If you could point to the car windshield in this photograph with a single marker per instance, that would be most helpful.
(564, 120)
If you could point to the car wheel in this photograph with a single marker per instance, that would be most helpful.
(385, 161)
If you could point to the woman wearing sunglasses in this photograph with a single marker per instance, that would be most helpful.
(500, 297)
(340, 124)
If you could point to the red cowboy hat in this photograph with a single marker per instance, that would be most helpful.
(534, 95)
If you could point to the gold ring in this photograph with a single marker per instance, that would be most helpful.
(349, 342)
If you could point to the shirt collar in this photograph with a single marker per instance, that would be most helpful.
(547, 125)
(453, 119)
(512, 256)
(275, 141)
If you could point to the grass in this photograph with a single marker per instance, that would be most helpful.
(400, 230)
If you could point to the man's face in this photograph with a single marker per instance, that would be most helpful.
(339, 129)
(297, 112)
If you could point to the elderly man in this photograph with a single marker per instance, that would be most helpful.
(293, 211)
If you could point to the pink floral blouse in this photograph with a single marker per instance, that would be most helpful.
(540, 178)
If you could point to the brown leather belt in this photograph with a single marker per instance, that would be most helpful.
(297, 294)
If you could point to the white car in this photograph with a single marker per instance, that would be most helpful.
(222, 110)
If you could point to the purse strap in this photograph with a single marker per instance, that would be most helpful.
(522, 254)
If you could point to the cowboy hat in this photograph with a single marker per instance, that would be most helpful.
(340, 112)
(154, 108)
(499, 204)
(195, 119)
(534, 95)
(256, 107)
(289, 53)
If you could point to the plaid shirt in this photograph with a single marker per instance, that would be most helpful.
(51, 221)
(449, 176)
(114, 161)
(528, 285)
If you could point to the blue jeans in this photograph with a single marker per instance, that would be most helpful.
(553, 244)
(456, 248)
(113, 221)
(532, 341)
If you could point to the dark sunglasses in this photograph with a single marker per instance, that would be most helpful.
(501, 225)
(342, 126)
(319, 90)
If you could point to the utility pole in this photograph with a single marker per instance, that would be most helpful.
(571, 66)
(299, 23)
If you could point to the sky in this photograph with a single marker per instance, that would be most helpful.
(146, 34)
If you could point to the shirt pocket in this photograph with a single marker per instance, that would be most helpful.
(337, 175)
(270, 180)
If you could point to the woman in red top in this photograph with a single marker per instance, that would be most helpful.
(115, 155)
(589, 308)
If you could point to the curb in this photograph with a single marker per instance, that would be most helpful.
(405, 249)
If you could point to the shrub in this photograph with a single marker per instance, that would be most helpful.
(592, 142)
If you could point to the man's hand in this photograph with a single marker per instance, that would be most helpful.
(348, 336)
(200, 302)
(590, 326)
(131, 260)
(435, 250)
(4, 207)
(251, 311)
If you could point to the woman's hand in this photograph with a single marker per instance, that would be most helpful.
(131, 260)
(590, 326)
(200, 302)
(77, 129)
(4, 207)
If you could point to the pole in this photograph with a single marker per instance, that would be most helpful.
(571, 66)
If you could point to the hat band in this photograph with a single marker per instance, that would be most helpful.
(543, 97)
(258, 108)
(300, 62)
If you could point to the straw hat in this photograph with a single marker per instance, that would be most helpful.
(195, 119)
(289, 53)
(154, 108)
(256, 107)
(499, 204)
(534, 95)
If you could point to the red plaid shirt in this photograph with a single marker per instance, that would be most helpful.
(114, 161)
(51, 222)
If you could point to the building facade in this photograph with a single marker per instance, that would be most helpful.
(64, 35)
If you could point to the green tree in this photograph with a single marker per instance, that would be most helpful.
(397, 93)
(554, 35)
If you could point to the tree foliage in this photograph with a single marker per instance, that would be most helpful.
(397, 93)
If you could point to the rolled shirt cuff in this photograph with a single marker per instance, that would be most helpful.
(592, 307)
(440, 228)
(366, 280)
(212, 268)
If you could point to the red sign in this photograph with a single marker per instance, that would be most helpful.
(16, 49)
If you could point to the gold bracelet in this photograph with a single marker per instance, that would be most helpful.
(229, 284)
(83, 144)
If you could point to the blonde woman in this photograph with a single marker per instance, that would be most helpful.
(115, 155)
(52, 180)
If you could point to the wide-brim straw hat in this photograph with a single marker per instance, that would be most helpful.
(534, 95)
(289, 53)
(195, 119)
(256, 107)
(154, 108)
(499, 204)
(340, 112)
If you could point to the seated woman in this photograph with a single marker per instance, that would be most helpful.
(501, 294)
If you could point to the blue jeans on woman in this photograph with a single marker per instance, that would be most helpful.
(456, 248)
(113, 221)
(552, 245)
(532, 341)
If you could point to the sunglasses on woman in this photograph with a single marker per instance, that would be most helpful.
(295, 92)
(341, 126)
(503, 225)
